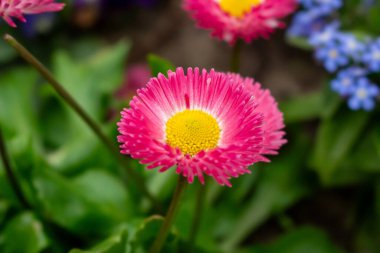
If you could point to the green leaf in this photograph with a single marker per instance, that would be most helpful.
(7, 194)
(163, 184)
(135, 237)
(301, 240)
(299, 42)
(7, 52)
(18, 114)
(4, 207)
(280, 185)
(374, 18)
(302, 108)
(376, 141)
(365, 156)
(18, 122)
(331, 101)
(368, 218)
(25, 234)
(71, 203)
(321, 104)
(112, 193)
(92, 82)
(335, 139)
(90, 79)
(146, 234)
(116, 243)
(159, 65)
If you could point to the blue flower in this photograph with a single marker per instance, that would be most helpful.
(344, 83)
(372, 56)
(354, 71)
(351, 45)
(332, 56)
(308, 4)
(336, 49)
(306, 23)
(330, 33)
(326, 5)
(363, 95)
(330, 4)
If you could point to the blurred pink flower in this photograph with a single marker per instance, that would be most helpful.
(17, 8)
(230, 20)
(201, 122)
(136, 76)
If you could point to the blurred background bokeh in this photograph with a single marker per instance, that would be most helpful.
(321, 194)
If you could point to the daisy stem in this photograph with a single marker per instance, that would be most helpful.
(169, 218)
(15, 184)
(201, 194)
(24, 53)
(235, 57)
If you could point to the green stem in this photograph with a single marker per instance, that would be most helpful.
(15, 184)
(173, 208)
(235, 57)
(201, 194)
(234, 67)
(24, 53)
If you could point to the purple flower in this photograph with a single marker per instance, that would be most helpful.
(332, 56)
(363, 95)
(371, 57)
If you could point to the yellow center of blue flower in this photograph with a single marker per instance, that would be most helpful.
(238, 8)
(333, 53)
(362, 93)
(192, 131)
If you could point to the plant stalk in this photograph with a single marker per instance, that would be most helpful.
(12, 178)
(24, 53)
(173, 208)
(52, 229)
(200, 201)
(235, 57)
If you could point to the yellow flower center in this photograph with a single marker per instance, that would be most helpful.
(238, 8)
(333, 53)
(192, 131)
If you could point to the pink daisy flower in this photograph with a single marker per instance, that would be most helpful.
(17, 8)
(230, 20)
(136, 76)
(203, 123)
(273, 118)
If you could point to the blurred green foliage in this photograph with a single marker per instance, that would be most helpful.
(81, 203)
(74, 183)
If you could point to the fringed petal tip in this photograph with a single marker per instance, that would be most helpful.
(247, 116)
(17, 9)
(261, 21)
